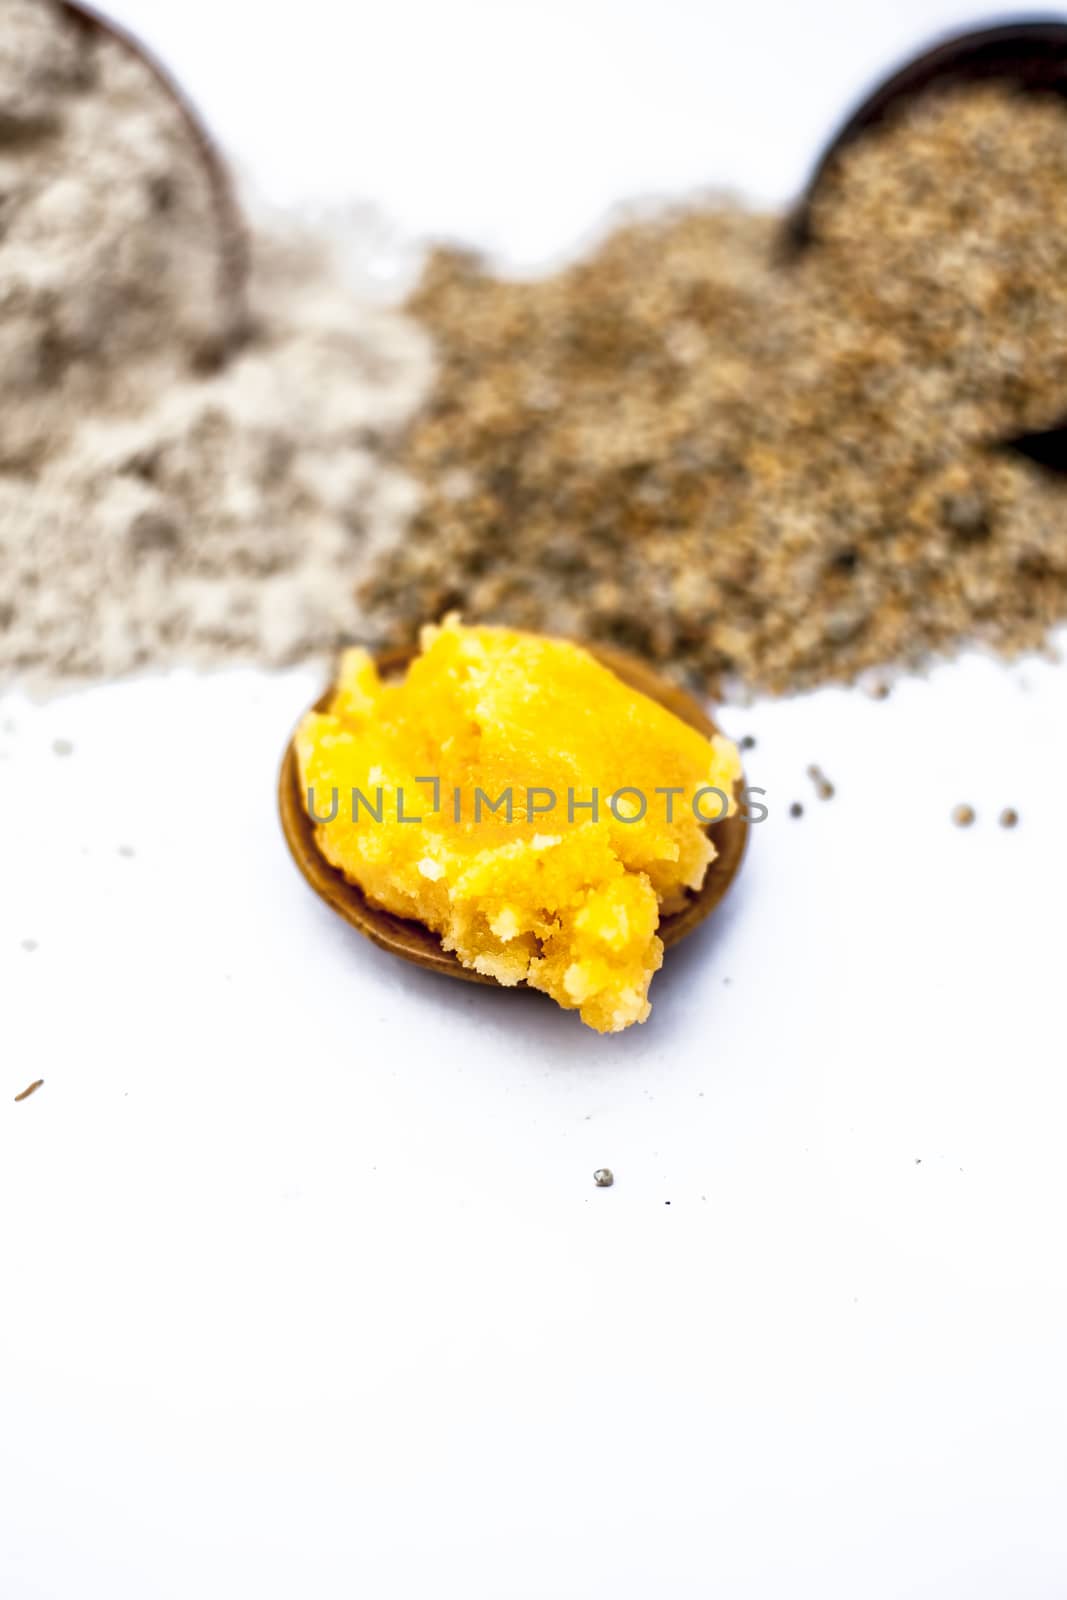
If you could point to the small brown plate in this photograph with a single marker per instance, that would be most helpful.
(417, 943)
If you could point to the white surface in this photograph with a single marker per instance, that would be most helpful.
(307, 1288)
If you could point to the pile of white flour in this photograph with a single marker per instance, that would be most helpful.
(169, 494)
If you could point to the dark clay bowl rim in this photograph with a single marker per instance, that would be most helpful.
(1029, 53)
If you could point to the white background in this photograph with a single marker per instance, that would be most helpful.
(307, 1290)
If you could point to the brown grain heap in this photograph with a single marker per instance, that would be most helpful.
(765, 473)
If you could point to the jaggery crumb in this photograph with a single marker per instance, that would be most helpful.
(1009, 817)
(964, 816)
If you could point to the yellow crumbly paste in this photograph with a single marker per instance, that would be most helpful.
(512, 794)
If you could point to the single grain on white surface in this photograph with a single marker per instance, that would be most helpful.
(308, 1287)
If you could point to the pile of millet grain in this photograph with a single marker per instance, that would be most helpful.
(765, 473)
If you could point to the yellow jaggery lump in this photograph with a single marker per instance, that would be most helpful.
(560, 895)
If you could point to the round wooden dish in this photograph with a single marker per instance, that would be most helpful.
(417, 943)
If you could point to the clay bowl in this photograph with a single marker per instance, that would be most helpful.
(1029, 57)
(233, 235)
(416, 943)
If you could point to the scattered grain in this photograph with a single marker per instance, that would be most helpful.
(824, 789)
